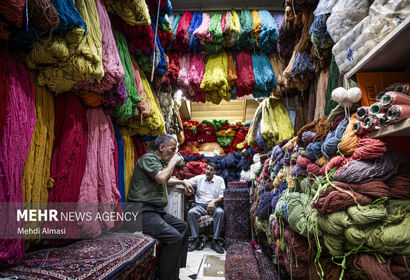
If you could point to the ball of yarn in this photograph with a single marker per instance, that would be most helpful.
(338, 94)
(354, 95)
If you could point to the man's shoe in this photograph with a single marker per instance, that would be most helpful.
(216, 247)
(194, 245)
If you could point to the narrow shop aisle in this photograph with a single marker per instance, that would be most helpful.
(204, 265)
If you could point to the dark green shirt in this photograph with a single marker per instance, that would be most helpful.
(144, 187)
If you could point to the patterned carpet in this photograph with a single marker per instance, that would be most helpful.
(111, 256)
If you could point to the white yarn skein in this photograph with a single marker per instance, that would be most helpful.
(346, 98)
(338, 94)
(354, 95)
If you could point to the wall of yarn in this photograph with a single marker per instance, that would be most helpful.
(75, 105)
(216, 135)
(331, 204)
(225, 55)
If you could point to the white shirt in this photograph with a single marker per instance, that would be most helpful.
(207, 190)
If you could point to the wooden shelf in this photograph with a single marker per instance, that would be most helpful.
(391, 54)
(398, 129)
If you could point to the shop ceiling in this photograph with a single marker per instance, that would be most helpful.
(216, 5)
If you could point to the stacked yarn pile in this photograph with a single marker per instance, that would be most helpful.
(91, 100)
(209, 69)
(225, 135)
(229, 166)
(331, 204)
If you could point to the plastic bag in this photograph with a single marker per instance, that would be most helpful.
(384, 17)
(345, 15)
(324, 7)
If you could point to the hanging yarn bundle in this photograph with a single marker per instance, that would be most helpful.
(194, 43)
(62, 62)
(130, 107)
(40, 19)
(202, 32)
(69, 17)
(246, 78)
(152, 124)
(232, 29)
(174, 20)
(4, 87)
(98, 184)
(217, 35)
(113, 71)
(246, 39)
(268, 125)
(144, 107)
(322, 42)
(69, 157)
(165, 33)
(173, 68)
(232, 77)
(140, 37)
(215, 81)
(257, 25)
(288, 35)
(182, 38)
(34, 178)
(268, 36)
(265, 79)
(129, 158)
(301, 65)
(160, 65)
(196, 74)
(15, 144)
(132, 12)
(278, 67)
(252, 132)
(319, 36)
(12, 11)
(184, 64)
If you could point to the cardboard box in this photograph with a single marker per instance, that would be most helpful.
(371, 83)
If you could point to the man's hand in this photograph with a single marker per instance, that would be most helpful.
(177, 159)
(211, 206)
(189, 190)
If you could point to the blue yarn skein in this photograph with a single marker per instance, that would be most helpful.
(69, 16)
(265, 79)
(268, 35)
(195, 44)
(303, 65)
(331, 143)
(259, 138)
(314, 150)
(160, 69)
(121, 163)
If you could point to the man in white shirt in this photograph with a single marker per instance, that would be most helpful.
(208, 193)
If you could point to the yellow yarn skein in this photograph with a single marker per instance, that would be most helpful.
(62, 62)
(132, 12)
